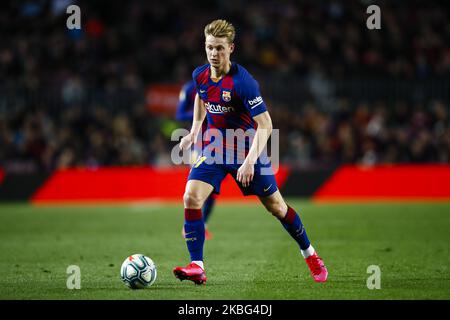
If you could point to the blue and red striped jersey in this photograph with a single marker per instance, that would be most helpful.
(232, 102)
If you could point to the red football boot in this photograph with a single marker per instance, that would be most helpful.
(191, 272)
(317, 268)
(208, 234)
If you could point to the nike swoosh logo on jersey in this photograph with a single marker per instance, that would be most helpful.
(265, 189)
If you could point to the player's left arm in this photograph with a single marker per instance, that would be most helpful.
(246, 171)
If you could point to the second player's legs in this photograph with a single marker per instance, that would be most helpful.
(207, 207)
(206, 212)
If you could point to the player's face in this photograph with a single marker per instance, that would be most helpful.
(218, 51)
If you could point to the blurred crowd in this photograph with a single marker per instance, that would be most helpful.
(77, 97)
(366, 134)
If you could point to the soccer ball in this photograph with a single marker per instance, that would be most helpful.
(138, 271)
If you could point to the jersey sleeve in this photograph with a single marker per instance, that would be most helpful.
(248, 91)
(198, 72)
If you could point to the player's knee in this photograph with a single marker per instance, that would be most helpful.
(192, 200)
(277, 209)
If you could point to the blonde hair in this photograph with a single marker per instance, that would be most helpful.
(220, 28)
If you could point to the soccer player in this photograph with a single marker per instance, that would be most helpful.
(185, 112)
(230, 99)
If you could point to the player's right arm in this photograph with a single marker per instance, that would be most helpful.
(197, 121)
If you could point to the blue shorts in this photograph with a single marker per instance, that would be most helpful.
(262, 185)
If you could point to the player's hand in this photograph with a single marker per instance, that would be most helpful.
(187, 141)
(245, 174)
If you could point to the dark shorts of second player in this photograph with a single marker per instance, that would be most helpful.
(262, 185)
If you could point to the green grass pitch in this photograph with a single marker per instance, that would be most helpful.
(250, 256)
